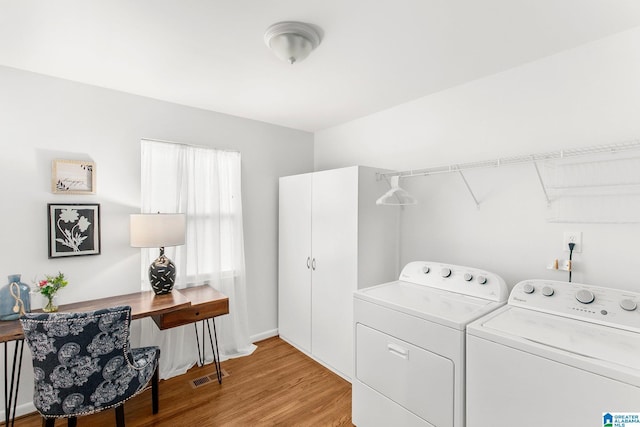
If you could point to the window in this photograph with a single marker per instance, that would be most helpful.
(204, 184)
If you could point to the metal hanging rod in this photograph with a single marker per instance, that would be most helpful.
(529, 158)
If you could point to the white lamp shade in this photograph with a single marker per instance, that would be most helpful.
(157, 230)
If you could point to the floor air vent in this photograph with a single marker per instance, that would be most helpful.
(207, 379)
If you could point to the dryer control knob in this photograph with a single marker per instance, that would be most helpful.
(446, 272)
(468, 277)
(482, 280)
(528, 288)
(426, 269)
(628, 304)
(585, 296)
(547, 291)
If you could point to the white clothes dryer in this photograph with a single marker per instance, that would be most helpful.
(410, 344)
(559, 354)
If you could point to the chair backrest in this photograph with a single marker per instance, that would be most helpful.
(80, 360)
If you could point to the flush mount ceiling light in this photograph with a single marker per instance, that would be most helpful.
(292, 41)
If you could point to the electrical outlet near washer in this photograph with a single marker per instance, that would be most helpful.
(572, 237)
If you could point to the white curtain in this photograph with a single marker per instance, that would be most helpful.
(204, 184)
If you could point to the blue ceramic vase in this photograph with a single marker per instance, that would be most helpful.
(8, 302)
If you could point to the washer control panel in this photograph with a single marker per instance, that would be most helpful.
(606, 306)
(455, 278)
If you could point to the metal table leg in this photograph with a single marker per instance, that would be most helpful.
(214, 348)
(200, 355)
(11, 385)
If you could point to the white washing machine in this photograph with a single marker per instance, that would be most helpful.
(559, 354)
(410, 344)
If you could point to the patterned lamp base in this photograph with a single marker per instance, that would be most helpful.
(162, 274)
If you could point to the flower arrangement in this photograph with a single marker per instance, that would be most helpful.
(48, 287)
(73, 235)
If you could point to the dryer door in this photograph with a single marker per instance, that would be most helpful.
(420, 381)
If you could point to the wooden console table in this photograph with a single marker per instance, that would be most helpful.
(177, 308)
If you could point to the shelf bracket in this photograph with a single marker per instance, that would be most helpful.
(544, 188)
(469, 188)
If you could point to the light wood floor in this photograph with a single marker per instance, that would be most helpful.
(277, 385)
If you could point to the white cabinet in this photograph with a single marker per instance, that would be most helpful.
(333, 239)
(294, 265)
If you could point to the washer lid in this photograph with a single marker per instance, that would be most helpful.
(447, 308)
(595, 342)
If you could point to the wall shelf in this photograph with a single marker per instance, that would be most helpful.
(528, 158)
(564, 178)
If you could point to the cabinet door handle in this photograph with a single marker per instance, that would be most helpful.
(398, 351)
(313, 264)
(308, 262)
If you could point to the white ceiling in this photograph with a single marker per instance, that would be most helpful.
(374, 54)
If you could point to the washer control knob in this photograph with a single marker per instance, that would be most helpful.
(482, 280)
(585, 296)
(628, 304)
(468, 277)
(528, 288)
(547, 291)
(446, 272)
(426, 269)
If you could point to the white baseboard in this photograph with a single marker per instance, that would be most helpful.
(23, 409)
(329, 367)
(264, 335)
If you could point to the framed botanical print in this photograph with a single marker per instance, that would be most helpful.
(74, 229)
(73, 177)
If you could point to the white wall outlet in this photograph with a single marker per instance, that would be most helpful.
(572, 237)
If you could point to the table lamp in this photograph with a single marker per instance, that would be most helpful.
(158, 231)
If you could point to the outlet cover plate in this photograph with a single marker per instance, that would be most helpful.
(572, 237)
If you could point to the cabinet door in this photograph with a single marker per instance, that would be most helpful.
(334, 249)
(294, 261)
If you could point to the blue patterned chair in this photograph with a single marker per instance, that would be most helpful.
(82, 363)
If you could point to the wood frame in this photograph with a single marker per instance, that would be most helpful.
(73, 177)
(74, 229)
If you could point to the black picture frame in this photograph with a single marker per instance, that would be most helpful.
(74, 229)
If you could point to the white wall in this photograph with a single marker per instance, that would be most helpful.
(582, 97)
(43, 118)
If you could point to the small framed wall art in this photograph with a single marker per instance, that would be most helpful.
(74, 229)
(73, 177)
